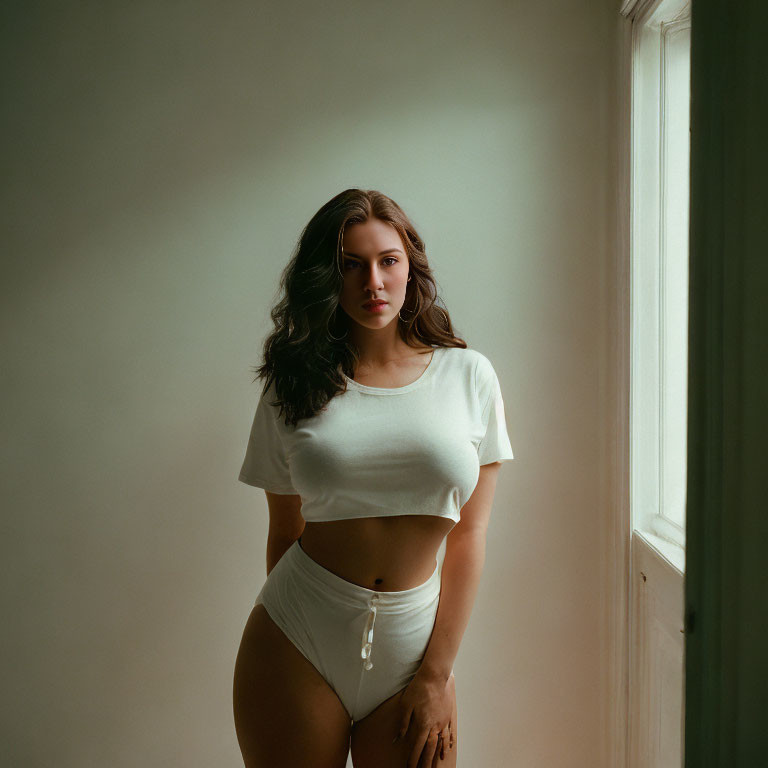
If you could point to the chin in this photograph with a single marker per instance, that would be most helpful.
(376, 321)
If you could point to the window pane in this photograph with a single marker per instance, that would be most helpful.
(674, 271)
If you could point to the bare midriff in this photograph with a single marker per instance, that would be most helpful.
(386, 554)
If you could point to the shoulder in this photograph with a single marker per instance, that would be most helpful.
(471, 359)
(461, 355)
(472, 367)
(270, 403)
(268, 395)
(483, 367)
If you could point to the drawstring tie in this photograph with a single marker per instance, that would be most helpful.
(368, 633)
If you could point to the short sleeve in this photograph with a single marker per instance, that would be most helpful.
(494, 445)
(266, 463)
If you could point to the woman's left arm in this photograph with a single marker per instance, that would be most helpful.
(460, 577)
(426, 702)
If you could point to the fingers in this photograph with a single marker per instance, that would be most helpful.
(402, 729)
(439, 752)
(429, 748)
(424, 750)
(446, 738)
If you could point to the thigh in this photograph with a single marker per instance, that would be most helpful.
(286, 714)
(372, 736)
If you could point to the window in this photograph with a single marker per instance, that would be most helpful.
(659, 283)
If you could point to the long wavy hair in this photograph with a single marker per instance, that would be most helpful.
(309, 351)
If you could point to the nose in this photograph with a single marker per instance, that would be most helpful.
(372, 280)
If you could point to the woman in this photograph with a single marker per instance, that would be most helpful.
(378, 434)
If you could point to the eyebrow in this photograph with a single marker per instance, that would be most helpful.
(389, 250)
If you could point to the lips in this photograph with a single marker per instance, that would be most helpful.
(369, 304)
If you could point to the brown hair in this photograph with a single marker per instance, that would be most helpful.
(309, 350)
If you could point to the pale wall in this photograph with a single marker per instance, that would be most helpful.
(161, 161)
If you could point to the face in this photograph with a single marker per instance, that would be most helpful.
(374, 265)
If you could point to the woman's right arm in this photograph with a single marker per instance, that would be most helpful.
(285, 525)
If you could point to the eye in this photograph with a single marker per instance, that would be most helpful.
(350, 263)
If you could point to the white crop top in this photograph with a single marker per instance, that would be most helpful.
(379, 452)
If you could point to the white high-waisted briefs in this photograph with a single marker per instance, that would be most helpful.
(367, 644)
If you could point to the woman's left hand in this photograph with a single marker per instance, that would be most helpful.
(425, 716)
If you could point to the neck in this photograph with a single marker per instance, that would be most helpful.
(379, 344)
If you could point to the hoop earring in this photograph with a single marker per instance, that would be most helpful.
(409, 310)
(338, 338)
